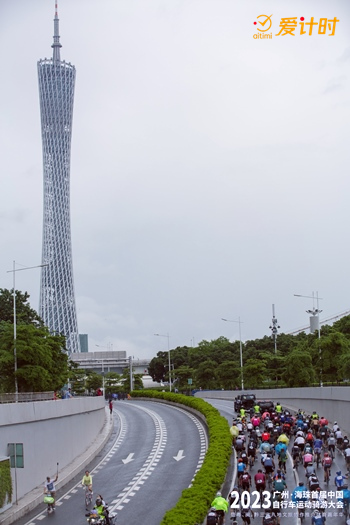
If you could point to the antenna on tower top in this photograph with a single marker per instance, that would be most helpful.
(56, 37)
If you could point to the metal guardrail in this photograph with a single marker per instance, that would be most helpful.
(25, 397)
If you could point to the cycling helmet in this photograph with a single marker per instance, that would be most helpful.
(326, 454)
(301, 483)
(338, 473)
(239, 461)
(218, 494)
(98, 501)
(344, 486)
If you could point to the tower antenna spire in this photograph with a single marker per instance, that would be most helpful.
(56, 37)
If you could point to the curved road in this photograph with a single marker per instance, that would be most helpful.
(153, 454)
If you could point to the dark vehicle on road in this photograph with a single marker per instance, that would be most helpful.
(246, 401)
(266, 406)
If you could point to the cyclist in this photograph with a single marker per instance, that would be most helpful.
(282, 459)
(101, 510)
(310, 469)
(221, 506)
(339, 480)
(345, 499)
(279, 484)
(240, 468)
(246, 514)
(256, 409)
(278, 408)
(260, 480)
(283, 438)
(295, 455)
(313, 483)
(300, 441)
(245, 480)
(339, 437)
(239, 444)
(314, 415)
(242, 412)
(309, 439)
(87, 481)
(269, 465)
(299, 497)
(244, 458)
(50, 488)
(269, 519)
(317, 518)
(307, 458)
(265, 436)
(327, 464)
(347, 456)
(331, 444)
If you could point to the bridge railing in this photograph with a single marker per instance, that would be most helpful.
(25, 397)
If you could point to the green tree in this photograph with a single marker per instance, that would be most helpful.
(93, 381)
(183, 374)
(157, 367)
(254, 373)
(328, 352)
(41, 363)
(205, 376)
(299, 369)
(112, 382)
(24, 313)
(228, 375)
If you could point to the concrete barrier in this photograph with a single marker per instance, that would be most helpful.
(333, 402)
(53, 434)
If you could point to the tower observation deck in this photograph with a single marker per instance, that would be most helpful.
(56, 91)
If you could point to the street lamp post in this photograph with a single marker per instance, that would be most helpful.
(14, 317)
(274, 328)
(168, 337)
(315, 313)
(240, 345)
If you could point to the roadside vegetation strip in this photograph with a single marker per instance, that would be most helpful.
(193, 505)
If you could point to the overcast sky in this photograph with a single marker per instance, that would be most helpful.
(210, 170)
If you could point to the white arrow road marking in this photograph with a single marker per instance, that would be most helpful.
(180, 455)
(129, 458)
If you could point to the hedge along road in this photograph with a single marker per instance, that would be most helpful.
(155, 452)
(289, 516)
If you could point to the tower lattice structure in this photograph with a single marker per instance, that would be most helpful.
(56, 91)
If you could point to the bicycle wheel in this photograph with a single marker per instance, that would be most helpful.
(88, 498)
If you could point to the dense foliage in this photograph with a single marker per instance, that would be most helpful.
(301, 360)
(42, 363)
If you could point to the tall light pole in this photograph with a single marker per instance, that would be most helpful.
(240, 345)
(315, 314)
(274, 328)
(168, 337)
(14, 316)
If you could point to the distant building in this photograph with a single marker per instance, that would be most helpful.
(103, 362)
(84, 343)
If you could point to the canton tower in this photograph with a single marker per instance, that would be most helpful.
(56, 92)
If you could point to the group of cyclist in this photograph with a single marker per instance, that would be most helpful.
(265, 437)
(100, 509)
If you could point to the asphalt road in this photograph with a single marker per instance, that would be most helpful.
(153, 454)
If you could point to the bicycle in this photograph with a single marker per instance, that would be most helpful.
(251, 460)
(327, 473)
(88, 497)
(318, 457)
(301, 514)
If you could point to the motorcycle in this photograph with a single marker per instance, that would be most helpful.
(50, 502)
(95, 519)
